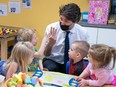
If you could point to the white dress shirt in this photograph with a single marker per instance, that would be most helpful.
(76, 33)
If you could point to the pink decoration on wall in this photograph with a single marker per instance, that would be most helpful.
(98, 11)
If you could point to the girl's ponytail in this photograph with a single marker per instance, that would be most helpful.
(113, 51)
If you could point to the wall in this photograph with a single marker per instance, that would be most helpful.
(40, 15)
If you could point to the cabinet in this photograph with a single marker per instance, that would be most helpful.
(107, 36)
(4, 46)
(5, 39)
(92, 35)
(102, 36)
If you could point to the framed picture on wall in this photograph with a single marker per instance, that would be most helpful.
(98, 11)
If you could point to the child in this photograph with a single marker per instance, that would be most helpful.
(30, 35)
(99, 56)
(21, 56)
(77, 52)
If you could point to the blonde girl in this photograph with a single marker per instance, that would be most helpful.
(21, 56)
(100, 72)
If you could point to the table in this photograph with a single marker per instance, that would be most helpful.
(31, 73)
(4, 44)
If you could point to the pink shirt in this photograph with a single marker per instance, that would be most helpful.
(99, 76)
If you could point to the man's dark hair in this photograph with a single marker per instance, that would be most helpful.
(71, 11)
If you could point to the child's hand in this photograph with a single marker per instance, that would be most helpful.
(77, 78)
(41, 83)
(82, 82)
(38, 54)
(45, 69)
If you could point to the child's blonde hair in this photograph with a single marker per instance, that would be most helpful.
(25, 34)
(20, 54)
(82, 47)
(103, 54)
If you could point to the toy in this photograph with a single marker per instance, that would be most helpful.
(7, 31)
(34, 82)
(28, 80)
(23, 80)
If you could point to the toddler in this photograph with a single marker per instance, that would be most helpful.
(30, 35)
(77, 52)
(99, 56)
(21, 56)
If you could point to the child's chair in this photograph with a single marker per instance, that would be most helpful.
(68, 64)
(86, 62)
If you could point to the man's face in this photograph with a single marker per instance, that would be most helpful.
(65, 21)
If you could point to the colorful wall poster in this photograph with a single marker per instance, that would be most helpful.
(98, 11)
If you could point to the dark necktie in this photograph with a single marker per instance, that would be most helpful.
(66, 48)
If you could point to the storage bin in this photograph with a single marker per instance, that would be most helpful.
(84, 16)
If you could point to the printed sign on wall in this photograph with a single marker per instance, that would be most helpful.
(14, 7)
(3, 10)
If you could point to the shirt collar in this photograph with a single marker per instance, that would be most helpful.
(73, 29)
